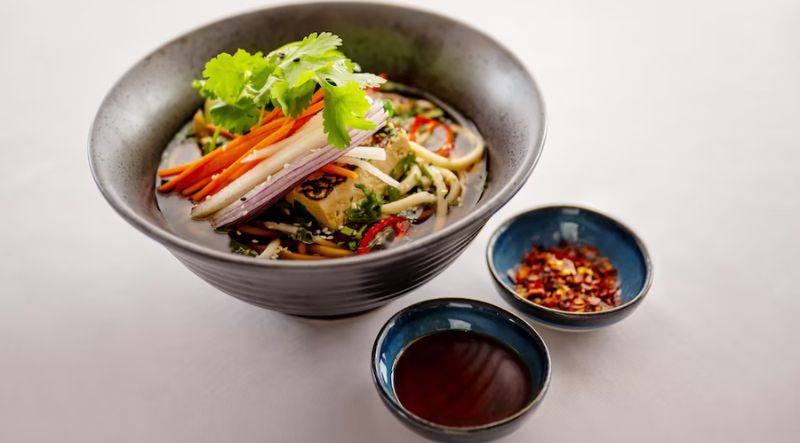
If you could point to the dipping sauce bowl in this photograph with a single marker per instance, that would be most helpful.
(486, 383)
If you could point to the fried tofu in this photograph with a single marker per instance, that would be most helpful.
(327, 197)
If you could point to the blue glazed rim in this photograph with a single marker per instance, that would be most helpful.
(433, 427)
(498, 277)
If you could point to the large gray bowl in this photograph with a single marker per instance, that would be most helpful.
(461, 65)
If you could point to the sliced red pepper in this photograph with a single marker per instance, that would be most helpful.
(399, 224)
(446, 147)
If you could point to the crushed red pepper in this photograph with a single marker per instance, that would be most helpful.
(567, 277)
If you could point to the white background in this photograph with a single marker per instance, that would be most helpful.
(679, 117)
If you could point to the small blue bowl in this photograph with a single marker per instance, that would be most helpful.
(443, 314)
(547, 227)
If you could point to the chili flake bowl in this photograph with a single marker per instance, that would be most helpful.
(551, 225)
(447, 314)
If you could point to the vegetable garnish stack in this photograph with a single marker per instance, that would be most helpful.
(302, 156)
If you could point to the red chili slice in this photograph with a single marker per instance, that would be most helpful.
(446, 147)
(399, 224)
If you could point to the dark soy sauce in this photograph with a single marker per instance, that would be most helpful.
(461, 379)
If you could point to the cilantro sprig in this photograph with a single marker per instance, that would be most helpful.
(243, 85)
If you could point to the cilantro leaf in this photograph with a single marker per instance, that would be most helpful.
(228, 76)
(242, 84)
(236, 118)
(345, 107)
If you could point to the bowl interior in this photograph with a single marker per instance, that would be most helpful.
(458, 64)
(457, 314)
(549, 226)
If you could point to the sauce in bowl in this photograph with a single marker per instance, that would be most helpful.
(460, 378)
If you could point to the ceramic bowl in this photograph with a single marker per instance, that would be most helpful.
(443, 314)
(550, 225)
(456, 62)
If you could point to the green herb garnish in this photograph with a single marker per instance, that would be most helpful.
(239, 248)
(345, 230)
(388, 106)
(302, 235)
(402, 167)
(244, 84)
(367, 210)
(392, 194)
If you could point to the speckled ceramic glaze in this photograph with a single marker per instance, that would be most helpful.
(444, 314)
(462, 66)
(548, 226)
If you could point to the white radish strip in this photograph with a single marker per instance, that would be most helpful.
(271, 251)
(372, 169)
(311, 127)
(456, 163)
(367, 153)
(416, 199)
(453, 183)
(290, 229)
(441, 194)
(414, 175)
(260, 173)
(282, 227)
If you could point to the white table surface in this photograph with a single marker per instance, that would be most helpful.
(680, 117)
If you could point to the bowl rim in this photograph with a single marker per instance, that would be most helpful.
(485, 210)
(490, 246)
(425, 305)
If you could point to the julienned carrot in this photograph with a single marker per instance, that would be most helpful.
(279, 134)
(238, 172)
(216, 184)
(222, 131)
(182, 177)
(233, 151)
(196, 187)
(288, 255)
(175, 170)
(190, 175)
(319, 95)
(340, 171)
(313, 109)
(268, 117)
(222, 179)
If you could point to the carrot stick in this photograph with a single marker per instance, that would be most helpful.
(238, 172)
(218, 183)
(313, 109)
(182, 177)
(279, 134)
(233, 151)
(295, 256)
(268, 117)
(222, 131)
(319, 95)
(175, 170)
(196, 187)
(340, 171)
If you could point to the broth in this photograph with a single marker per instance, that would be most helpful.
(461, 379)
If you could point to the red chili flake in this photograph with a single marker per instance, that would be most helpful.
(567, 277)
